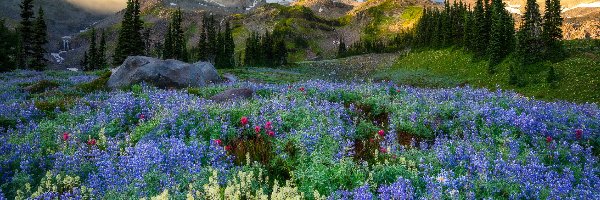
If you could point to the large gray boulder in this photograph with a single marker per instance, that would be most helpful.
(162, 73)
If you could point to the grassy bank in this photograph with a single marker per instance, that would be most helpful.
(579, 73)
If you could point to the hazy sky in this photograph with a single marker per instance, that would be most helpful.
(101, 5)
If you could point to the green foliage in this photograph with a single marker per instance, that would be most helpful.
(95, 57)
(6, 123)
(40, 36)
(450, 68)
(366, 130)
(8, 47)
(42, 86)
(267, 50)
(96, 85)
(174, 46)
(130, 41)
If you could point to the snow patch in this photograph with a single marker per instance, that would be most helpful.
(173, 4)
(57, 57)
(320, 9)
(514, 9)
(253, 5)
(73, 69)
(583, 5)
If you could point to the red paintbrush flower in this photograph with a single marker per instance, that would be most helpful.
(578, 134)
(227, 148)
(383, 150)
(549, 139)
(244, 121)
(257, 129)
(91, 142)
(381, 133)
(65, 136)
(142, 116)
(268, 126)
(302, 89)
(271, 133)
(218, 142)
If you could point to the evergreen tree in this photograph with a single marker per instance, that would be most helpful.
(102, 51)
(229, 46)
(84, 62)
(40, 39)
(202, 54)
(130, 41)
(26, 30)
(342, 51)
(502, 35)
(175, 45)
(551, 30)
(92, 53)
(8, 45)
(529, 36)
(468, 33)
(168, 44)
(480, 30)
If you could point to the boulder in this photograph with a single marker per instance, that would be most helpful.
(233, 94)
(230, 78)
(162, 73)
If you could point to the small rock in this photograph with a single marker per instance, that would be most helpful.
(233, 94)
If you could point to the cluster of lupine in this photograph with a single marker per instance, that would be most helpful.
(324, 140)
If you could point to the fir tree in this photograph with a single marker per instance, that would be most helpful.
(40, 39)
(229, 46)
(130, 41)
(26, 31)
(480, 30)
(502, 35)
(551, 30)
(92, 63)
(84, 62)
(342, 51)
(168, 44)
(8, 45)
(529, 36)
(102, 51)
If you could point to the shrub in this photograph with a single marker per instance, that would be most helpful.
(96, 85)
(42, 86)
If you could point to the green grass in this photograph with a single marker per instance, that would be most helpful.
(265, 75)
(578, 74)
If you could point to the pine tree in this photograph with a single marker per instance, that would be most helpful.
(40, 39)
(480, 30)
(26, 29)
(130, 41)
(468, 33)
(202, 54)
(282, 52)
(175, 45)
(102, 51)
(168, 44)
(229, 48)
(84, 62)
(93, 53)
(8, 45)
(502, 35)
(342, 51)
(551, 30)
(529, 36)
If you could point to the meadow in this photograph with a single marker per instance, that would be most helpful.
(64, 136)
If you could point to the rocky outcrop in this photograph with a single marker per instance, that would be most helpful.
(233, 94)
(162, 73)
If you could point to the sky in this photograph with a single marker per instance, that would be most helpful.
(103, 6)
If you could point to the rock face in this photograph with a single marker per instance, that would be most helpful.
(233, 94)
(162, 73)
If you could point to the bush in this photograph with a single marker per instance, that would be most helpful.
(96, 85)
(41, 86)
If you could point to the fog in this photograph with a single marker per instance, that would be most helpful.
(101, 6)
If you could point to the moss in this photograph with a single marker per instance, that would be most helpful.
(95, 85)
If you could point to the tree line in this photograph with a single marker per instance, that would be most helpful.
(24, 46)
(266, 50)
(487, 30)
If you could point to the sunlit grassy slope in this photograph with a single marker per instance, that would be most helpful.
(579, 73)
